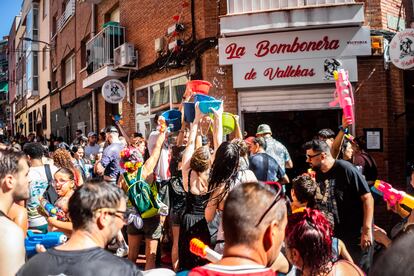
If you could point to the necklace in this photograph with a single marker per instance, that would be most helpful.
(240, 257)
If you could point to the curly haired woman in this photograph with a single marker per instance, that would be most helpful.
(63, 159)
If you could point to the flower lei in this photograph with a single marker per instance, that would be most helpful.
(131, 159)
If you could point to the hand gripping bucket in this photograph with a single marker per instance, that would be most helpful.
(228, 123)
(173, 119)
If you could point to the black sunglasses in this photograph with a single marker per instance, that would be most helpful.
(279, 195)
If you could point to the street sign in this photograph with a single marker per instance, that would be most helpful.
(113, 91)
(402, 49)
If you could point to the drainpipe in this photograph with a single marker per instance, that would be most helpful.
(95, 123)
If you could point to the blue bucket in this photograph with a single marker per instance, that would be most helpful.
(206, 105)
(203, 98)
(173, 119)
(189, 112)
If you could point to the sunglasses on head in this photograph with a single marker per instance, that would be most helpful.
(280, 194)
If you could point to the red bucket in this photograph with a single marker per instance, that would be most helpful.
(199, 86)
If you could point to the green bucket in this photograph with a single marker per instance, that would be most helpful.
(228, 123)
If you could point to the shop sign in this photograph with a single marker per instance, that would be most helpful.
(402, 49)
(292, 72)
(338, 42)
(113, 91)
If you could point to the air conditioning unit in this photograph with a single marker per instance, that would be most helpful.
(125, 57)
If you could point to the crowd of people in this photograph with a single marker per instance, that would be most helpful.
(231, 192)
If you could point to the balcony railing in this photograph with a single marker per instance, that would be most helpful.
(245, 6)
(68, 12)
(100, 49)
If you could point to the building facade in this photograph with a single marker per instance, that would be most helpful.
(269, 61)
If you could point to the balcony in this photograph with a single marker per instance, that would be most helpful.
(66, 15)
(259, 16)
(100, 56)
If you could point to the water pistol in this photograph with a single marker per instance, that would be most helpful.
(391, 195)
(50, 210)
(200, 249)
(48, 240)
(343, 95)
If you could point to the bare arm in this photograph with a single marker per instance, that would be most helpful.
(12, 251)
(150, 164)
(284, 180)
(343, 252)
(218, 127)
(368, 206)
(237, 131)
(123, 132)
(337, 143)
(289, 164)
(213, 204)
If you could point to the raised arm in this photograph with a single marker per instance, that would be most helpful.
(218, 127)
(237, 130)
(152, 161)
(190, 148)
(337, 143)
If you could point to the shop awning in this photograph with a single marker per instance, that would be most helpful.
(4, 87)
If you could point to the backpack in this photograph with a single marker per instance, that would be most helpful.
(50, 194)
(143, 196)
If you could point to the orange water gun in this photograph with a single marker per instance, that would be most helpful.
(202, 250)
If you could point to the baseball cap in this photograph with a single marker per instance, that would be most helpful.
(92, 134)
(263, 129)
(111, 129)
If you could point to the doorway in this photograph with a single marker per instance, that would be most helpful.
(293, 129)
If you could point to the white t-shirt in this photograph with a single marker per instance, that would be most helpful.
(37, 186)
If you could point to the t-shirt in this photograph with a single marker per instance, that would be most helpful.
(277, 150)
(37, 186)
(110, 160)
(91, 150)
(92, 261)
(162, 169)
(367, 165)
(218, 270)
(339, 197)
(258, 164)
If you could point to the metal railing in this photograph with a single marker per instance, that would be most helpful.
(100, 49)
(68, 12)
(243, 6)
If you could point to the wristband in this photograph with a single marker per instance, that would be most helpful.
(345, 130)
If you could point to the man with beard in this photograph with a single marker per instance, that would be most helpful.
(343, 196)
(14, 187)
(98, 212)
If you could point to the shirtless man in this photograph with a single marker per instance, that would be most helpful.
(14, 187)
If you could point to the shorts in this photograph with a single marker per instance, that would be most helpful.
(163, 192)
(175, 217)
(152, 228)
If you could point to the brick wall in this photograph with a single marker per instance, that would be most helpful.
(68, 42)
(376, 12)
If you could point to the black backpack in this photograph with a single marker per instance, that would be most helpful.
(50, 193)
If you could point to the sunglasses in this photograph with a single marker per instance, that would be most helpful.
(123, 215)
(312, 156)
(280, 194)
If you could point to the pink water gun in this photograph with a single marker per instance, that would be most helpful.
(343, 95)
(391, 195)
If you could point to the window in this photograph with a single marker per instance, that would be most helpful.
(54, 25)
(44, 58)
(30, 122)
(160, 96)
(69, 70)
(84, 60)
(45, 8)
(157, 98)
(44, 117)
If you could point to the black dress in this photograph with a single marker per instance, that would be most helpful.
(193, 225)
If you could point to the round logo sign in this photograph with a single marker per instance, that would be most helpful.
(113, 91)
(402, 49)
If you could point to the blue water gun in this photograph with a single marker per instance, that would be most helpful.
(48, 240)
